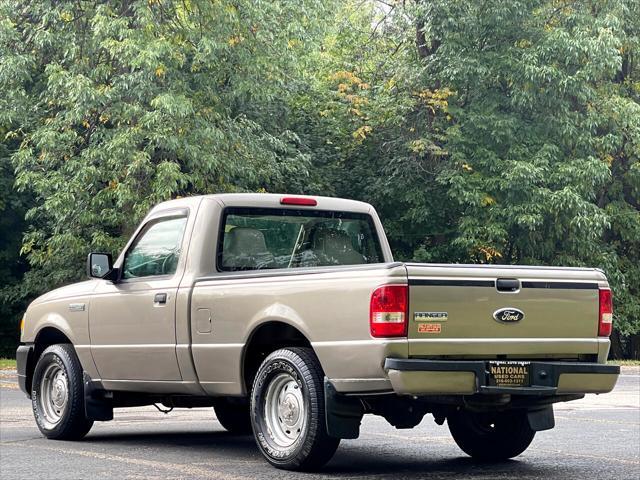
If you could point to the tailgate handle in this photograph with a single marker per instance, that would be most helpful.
(508, 284)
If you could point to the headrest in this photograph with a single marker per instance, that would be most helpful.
(332, 240)
(244, 240)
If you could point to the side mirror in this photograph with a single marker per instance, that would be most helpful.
(100, 265)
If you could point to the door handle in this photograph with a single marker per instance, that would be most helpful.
(160, 298)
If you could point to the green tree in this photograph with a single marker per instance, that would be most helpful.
(497, 132)
(12, 266)
(619, 113)
(543, 148)
(485, 131)
(116, 106)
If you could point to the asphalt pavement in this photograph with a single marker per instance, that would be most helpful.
(595, 438)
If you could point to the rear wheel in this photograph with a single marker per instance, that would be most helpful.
(287, 411)
(233, 415)
(491, 436)
(57, 394)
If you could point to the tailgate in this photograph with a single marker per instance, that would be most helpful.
(503, 311)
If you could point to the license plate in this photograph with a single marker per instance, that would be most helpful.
(509, 374)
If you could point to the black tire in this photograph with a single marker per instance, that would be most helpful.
(491, 436)
(72, 423)
(233, 415)
(313, 447)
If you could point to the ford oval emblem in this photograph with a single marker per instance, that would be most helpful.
(508, 315)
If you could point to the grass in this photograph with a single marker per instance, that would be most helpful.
(625, 363)
(7, 364)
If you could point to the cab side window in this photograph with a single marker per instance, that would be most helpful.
(156, 250)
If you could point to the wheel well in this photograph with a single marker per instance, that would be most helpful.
(46, 337)
(268, 338)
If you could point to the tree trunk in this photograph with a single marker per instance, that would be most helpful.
(425, 49)
(634, 347)
(617, 349)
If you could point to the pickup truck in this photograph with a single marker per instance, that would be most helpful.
(289, 316)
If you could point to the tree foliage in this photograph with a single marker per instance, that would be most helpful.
(493, 132)
(120, 105)
(485, 131)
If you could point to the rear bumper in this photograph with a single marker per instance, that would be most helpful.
(468, 377)
(24, 354)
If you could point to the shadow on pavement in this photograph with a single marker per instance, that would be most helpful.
(352, 459)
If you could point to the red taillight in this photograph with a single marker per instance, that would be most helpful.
(388, 311)
(307, 202)
(605, 319)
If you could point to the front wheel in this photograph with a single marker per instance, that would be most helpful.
(57, 394)
(288, 411)
(491, 436)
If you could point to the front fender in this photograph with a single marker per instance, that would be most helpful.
(61, 321)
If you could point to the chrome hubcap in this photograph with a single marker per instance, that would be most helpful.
(285, 411)
(54, 394)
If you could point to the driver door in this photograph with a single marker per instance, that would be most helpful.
(132, 322)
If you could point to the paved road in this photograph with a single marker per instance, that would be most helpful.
(595, 438)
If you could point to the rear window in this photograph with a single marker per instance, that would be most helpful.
(262, 239)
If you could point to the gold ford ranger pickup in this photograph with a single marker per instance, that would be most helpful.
(289, 316)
